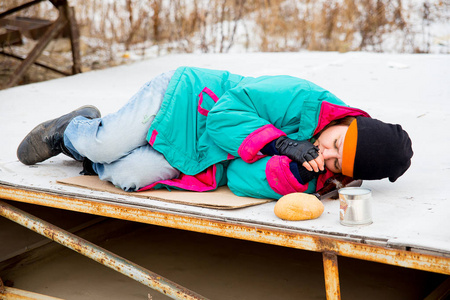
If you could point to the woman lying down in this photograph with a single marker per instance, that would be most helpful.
(198, 129)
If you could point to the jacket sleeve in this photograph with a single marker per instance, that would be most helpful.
(269, 177)
(235, 125)
(255, 113)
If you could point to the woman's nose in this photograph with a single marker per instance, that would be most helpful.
(329, 153)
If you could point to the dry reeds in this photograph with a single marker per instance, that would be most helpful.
(262, 25)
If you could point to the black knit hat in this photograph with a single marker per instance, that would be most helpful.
(376, 150)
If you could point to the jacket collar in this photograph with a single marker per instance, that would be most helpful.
(330, 112)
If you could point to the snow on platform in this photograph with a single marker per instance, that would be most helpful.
(413, 90)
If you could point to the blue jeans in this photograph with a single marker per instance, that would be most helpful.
(116, 144)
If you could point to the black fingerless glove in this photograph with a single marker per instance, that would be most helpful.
(302, 175)
(298, 151)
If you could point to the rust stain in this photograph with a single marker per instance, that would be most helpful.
(327, 245)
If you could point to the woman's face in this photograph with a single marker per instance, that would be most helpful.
(331, 145)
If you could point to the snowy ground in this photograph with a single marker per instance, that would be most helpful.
(412, 90)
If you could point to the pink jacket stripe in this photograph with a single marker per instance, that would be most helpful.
(255, 141)
(202, 182)
(153, 137)
(280, 177)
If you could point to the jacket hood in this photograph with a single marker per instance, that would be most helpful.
(330, 112)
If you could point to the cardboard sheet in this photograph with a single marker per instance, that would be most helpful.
(222, 198)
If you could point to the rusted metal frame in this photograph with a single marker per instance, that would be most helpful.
(50, 34)
(239, 230)
(100, 255)
(36, 63)
(331, 273)
(16, 294)
(19, 8)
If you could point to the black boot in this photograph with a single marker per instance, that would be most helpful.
(47, 139)
(88, 169)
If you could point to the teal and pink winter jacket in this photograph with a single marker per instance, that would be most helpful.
(212, 125)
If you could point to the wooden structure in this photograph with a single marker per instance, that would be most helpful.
(66, 19)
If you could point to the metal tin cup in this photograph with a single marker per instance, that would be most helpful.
(355, 206)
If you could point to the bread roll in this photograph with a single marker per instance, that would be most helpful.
(298, 206)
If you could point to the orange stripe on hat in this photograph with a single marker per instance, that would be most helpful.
(349, 152)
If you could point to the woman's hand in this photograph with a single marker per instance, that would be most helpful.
(316, 165)
(302, 152)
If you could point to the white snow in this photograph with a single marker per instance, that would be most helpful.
(413, 90)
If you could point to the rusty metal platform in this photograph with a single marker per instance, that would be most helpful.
(411, 221)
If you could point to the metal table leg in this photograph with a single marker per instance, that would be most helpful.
(330, 268)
